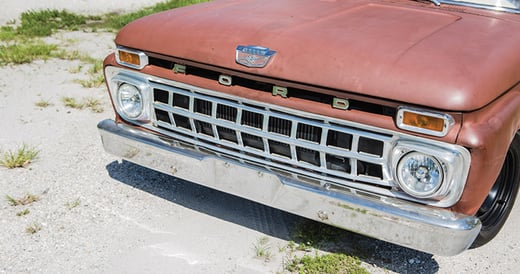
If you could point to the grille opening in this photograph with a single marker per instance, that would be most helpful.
(280, 148)
(182, 121)
(308, 132)
(226, 112)
(204, 128)
(339, 139)
(203, 107)
(252, 84)
(252, 141)
(369, 169)
(338, 163)
(280, 126)
(160, 96)
(162, 116)
(370, 146)
(181, 101)
(227, 134)
(252, 119)
(160, 62)
(308, 155)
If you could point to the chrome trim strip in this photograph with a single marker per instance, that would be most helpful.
(424, 228)
(495, 7)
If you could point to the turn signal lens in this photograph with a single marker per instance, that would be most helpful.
(423, 121)
(431, 123)
(131, 58)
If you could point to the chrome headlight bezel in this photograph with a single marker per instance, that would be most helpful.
(116, 82)
(453, 161)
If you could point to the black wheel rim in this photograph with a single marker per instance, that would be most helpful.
(498, 201)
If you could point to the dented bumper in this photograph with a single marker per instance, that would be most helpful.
(420, 227)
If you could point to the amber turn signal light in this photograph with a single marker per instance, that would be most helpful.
(131, 58)
(430, 123)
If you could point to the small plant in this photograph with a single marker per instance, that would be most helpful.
(43, 103)
(25, 200)
(93, 104)
(73, 204)
(23, 212)
(20, 53)
(262, 249)
(32, 229)
(72, 103)
(20, 157)
(328, 263)
(86, 102)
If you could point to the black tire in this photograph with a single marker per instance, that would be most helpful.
(500, 200)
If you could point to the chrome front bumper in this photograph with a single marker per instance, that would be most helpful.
(424, 228)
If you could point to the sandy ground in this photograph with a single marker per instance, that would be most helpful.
(100, 215)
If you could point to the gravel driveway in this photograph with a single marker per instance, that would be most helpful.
(97, 214)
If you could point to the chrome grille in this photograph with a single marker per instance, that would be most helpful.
(285, 141)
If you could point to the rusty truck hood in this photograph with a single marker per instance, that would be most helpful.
(446, 57)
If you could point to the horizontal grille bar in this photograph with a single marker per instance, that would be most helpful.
(314, 147)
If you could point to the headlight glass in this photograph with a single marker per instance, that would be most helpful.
(130, 100)
(419, 174)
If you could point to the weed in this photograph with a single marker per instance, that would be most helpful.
(93, 104)
(86, 102)
(73, 204)
(25, 200)
(25, 52)
(116, 21)
(23, 212)
(262, 249)
(328, 263)
(72, 103)
(32, 229)
(20, 157)
(43, 103)
(311, 234)
(44, 22)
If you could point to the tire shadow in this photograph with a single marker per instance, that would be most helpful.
(270, 221)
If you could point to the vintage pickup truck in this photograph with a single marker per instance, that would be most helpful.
(394, 119)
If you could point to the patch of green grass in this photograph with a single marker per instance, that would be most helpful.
(20, 157)
(25, 200)
(72, 103)
(86, 102)
(95, 73)
(23, 212)
(312, 234)
(93, 104)
(34, 228)
(117, 21)
(329, 263)
(42, 103)
(20, 53)
(262, 249)
(73, 204)
(45, 22)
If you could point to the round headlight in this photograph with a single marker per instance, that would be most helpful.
(130, 100)
(419, 175)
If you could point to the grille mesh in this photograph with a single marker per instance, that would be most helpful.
(312, 147)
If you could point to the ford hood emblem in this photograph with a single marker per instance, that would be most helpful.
(253, 56)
